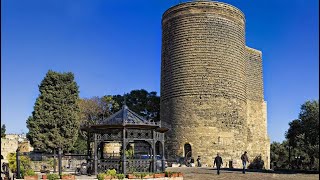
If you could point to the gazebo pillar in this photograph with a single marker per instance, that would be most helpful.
(124, 151)
(88, 147)
(163, 168)
(95, 155)
(154, 158)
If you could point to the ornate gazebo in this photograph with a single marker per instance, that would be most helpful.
(137, 144)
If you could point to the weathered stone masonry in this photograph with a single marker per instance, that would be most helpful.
(211, 84)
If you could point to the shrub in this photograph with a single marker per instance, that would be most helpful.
(169, 173)
(101, 176)
(24, 163)
(137, 174)
(142, 175)
(111, 172)
(29, 172)
(50, 162)
(120, 176)
(53, 176)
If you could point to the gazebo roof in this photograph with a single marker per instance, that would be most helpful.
(123, 118)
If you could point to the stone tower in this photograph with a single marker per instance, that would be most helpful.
(211, 85)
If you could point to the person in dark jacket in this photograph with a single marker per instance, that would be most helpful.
(199, 161)
(244, 159)
(218, 162)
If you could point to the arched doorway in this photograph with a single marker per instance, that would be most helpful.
(187, 150)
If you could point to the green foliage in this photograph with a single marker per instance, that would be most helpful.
(279, 155)
(141, 175)
(257, 163)
(131, 169)
(96, 108)
(80, 146)
(24, 163)
(170, 173)
(303, 135)
(50, 162)
(129, 153)
(309, 116)
(302, 140)
(92, 110)
(111, 172)
(146, 104)
(53, 176)
(3, 131)
(101, 176)
(29, 172)
(55, 121)
(120, 176)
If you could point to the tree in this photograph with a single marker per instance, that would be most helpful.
(96, 109)
(54, 123)
(146, 104)
(3, 131)
(303, 134)
(25, 163)
(279, 155)
(309, 116)
(93, 110)
(295, 129)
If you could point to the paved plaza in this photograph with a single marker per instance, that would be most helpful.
(192, 173)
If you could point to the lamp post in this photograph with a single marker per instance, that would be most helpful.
(60, 160)
(18, 163)
(289, 149)
(54, 160)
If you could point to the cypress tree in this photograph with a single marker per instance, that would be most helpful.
(54, 123)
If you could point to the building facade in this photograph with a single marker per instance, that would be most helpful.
(211, 85)
(12, 142)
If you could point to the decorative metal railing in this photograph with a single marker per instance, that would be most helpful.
(139, 165)
(106, 164)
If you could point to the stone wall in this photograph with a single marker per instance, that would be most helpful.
(11, 142)
(258, 140)
(210, 98)
(8, 145)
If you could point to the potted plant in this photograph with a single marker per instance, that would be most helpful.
(29, 174)
(53, 176)
(172, 174)
(134, 176)
(146, 175)
(111, 173)
(44, 176)
(101, 176)
(159, 175)
(67, 176)
(120, 176)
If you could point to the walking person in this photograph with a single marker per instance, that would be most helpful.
(199, 161)
(218, 162)
(244, 159)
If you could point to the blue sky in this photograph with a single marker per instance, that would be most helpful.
(113, 47)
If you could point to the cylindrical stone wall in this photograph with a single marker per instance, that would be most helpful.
(203, 80)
